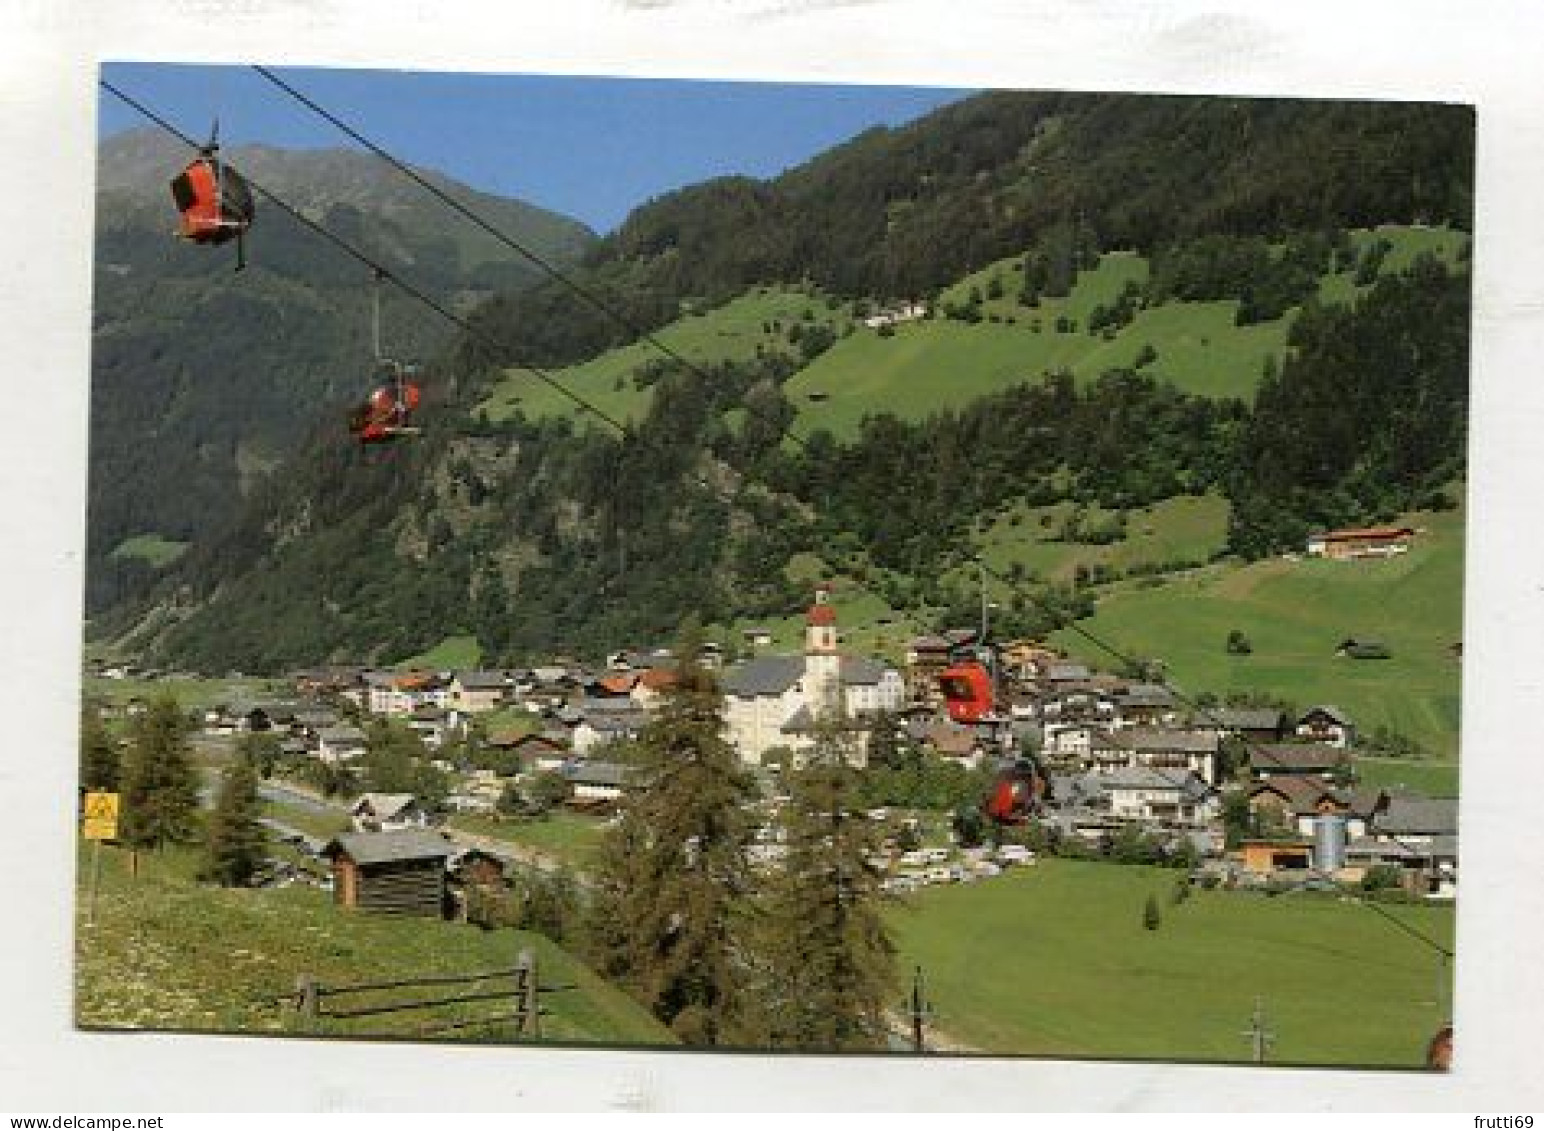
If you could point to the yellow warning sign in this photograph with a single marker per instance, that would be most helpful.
(101, 816)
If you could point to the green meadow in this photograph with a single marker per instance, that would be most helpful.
(166, 952)
(1294, 614)
(1057, 962)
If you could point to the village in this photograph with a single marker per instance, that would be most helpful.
(1245, 795)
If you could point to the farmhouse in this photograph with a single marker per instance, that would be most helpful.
(1329, 725)
(1146, 794)
(394, 873)
(597, 781)
(1370, 542)
(1297, 759)
(1252, 724)
(477, 691)
(386, 812)
(1191, 750)
(340, 744)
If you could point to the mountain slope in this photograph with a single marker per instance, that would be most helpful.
(537, 535)
(205, 379)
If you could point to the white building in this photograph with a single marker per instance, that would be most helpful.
(774, 701)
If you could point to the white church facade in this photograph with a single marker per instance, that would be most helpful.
(773, 701)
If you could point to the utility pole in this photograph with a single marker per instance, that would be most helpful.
(919, 1012)
(1260, 1038)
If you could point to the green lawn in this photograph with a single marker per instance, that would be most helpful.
(731, 332)
(190, 693)
(309, 821)
(151, 548)
(868, 626)
(570, 837)
(1054, 960)
(1294, 613)
(1435, 779)
(168, 953)
(1184, 528)
(454, 653)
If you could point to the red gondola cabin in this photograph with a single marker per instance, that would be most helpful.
(967, 692)
(214, 200)
(386, 415)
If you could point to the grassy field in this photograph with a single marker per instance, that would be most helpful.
(570, 837)
(168, 953)
(454, 653)
(1189, 528)
(1056, 961)
(190, 693)
(151, 548)
(939, 363)
(731, 332)
(1435, 779)
(309, 821)
(1295, 613)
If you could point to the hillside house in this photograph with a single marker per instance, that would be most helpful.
(597, 781)
(1296, 802)
(1172, 797)
(1160, 749)
(392, 873)
(605, 722)
(477, 691)
(1255, 725)
(1298, 760)
(1327, 724)
(652, 684)
(534, 752)
(393, 693)
(387, 812)
(1145, 704)
(340, 744)
(1369, 542)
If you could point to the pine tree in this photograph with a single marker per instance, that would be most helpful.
(99, 762)
(829, 962)
(159, 789)
(1151, 917)
(234, 842)
(665, 919)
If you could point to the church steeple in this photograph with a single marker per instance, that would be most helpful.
(822, 662)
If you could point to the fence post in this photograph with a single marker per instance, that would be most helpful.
(307, 1001)
(528, 1008)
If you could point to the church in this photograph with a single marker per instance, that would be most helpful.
(773, 701)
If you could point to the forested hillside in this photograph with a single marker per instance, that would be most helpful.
(551, 533)
(205, 380)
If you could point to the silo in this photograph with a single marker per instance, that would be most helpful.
(1329, 843)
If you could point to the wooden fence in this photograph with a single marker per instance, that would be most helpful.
(315, 1003)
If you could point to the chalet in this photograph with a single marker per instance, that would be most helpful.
(1142, 793)
(393, 693)
(1329, 725)
(477, 691)
(392, 873)
(387, 812)
(758, 637)
(605, 722)
(948, 739)
(1297, 759)
(652, 684)
(340, 744)
(1160, 749)
(1145, 704)
(618, 686)
(597, 781)
(1252, 724)
(534, 751)
(1369, 542)
(433, 725)
(1296, 802)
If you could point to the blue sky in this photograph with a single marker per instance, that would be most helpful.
(593, 148)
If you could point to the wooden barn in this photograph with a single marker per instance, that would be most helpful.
(401, 872)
